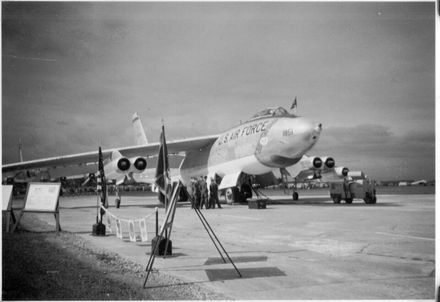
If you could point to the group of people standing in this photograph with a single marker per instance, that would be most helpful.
(201, 196)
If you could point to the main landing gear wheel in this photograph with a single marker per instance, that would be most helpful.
(370, 199)
(295, 196)
(349, 200)
(231, 195)
(337, 199)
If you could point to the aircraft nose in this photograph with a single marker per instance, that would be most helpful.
(287, 141)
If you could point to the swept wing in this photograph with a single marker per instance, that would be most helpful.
(87, 161)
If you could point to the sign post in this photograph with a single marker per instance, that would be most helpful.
(7, 206)
(42, 197)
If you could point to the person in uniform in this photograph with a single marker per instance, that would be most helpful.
(213, 194)
(193, 193)
(204, 192)
(197, 193)
(118, 197)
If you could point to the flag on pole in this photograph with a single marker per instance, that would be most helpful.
(162, 170)
(293, 104)
(101, 183)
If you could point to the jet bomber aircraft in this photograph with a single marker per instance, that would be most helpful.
(273, 141)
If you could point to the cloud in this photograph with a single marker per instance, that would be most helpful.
(377, 149)
(74, 73)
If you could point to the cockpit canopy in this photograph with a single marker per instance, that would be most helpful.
(273, 112)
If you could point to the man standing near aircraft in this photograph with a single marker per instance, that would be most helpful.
(118, 197)
(193, 193)
(204, 189)
(213, 194)
(197, 193)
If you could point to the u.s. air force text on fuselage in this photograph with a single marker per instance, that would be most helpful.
(242, 131)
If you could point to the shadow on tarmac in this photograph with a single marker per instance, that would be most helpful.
(324, 201)
(254, 272)
(241, 259)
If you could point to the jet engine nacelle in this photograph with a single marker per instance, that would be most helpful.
(318, 163)
(124, 165)
(311, 163)
(119, 166)
(329, 162)
(341, 171)
(139, 164)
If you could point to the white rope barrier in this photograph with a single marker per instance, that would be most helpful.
(137, 228)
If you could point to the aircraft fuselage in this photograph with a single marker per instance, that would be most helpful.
(254, 147)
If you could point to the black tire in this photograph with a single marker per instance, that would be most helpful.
(231, 195)
(349, 200)
(246, 191)
(336, 199)
(368, 198)
(295, 196)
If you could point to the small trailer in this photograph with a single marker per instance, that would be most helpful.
(356, 185)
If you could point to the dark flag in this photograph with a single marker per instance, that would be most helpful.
(162, 170)
(293, 104)
(101, 183)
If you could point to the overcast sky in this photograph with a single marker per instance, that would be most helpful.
(74, 73)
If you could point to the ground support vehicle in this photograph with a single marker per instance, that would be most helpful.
(349, 189)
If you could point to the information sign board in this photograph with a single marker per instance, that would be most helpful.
(6, 197)
(42, 197)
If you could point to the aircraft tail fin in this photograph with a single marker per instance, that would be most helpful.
(20, 150)
(139, 134)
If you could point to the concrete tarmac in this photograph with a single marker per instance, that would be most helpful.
(311, 249)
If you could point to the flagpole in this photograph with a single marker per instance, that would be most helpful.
(164, 172)
(97, 191)
(97, 206)
(164, 155)
(103, 195)
(99, 228)
(162, 183)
